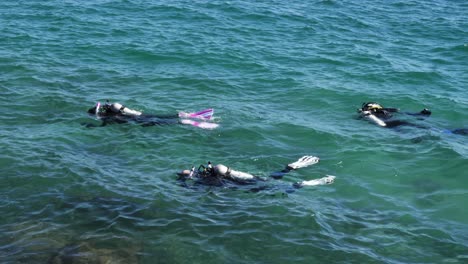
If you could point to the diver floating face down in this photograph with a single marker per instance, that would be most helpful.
(110, 113)
(376, 109)
(217, 174)
(382, 115)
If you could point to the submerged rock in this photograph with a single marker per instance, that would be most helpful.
(82, 253)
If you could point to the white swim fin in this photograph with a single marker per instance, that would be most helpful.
(329, 179)
(303, 162)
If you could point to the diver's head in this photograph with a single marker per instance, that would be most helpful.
(371, 106)
(426, 112)
(107, 109)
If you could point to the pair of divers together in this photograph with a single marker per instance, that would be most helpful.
(216, 175)
(110, 113)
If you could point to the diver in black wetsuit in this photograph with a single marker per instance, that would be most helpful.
(219, 175)
(382, 116)
(117, 113)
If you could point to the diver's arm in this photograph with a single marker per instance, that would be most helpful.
(394, 123)
(391, 109)
(424, 112)
(89, 125)
(460, 131)
(201, 168)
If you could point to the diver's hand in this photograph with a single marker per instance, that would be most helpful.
(425, 112)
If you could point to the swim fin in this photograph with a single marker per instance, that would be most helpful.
(329, 179)
(303, 162)
(205, 114)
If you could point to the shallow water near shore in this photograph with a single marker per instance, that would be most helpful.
(285, 80)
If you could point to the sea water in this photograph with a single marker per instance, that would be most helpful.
(285, 79)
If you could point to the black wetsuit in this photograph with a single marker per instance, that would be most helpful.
(386, 114)
(206, 176)
(108, 116)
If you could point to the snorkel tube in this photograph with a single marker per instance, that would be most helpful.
(98, 105)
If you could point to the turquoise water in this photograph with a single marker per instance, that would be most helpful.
(285, 79)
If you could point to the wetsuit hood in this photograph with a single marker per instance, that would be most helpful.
(371, 106)
(103, 110)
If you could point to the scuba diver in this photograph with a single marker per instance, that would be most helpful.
(117, 113)
(220, 174)
(382, 116)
